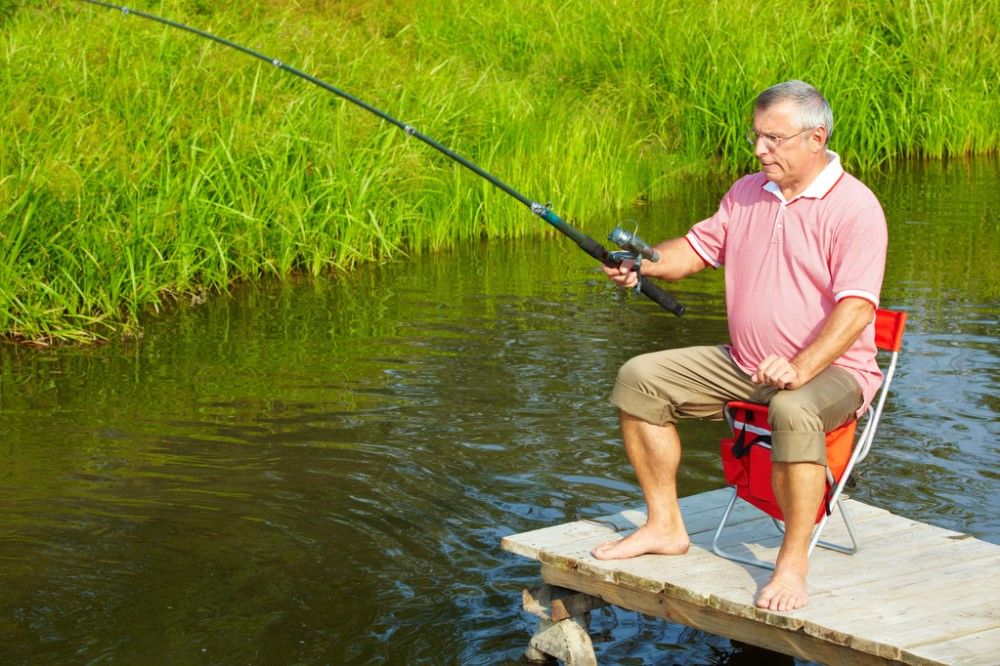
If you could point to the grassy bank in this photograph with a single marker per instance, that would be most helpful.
(138, 163)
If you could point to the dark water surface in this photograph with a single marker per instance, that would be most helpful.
(322, 472)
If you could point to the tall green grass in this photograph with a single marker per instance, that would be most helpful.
(139, 163)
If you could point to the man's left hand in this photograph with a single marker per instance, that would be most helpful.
(778, 372)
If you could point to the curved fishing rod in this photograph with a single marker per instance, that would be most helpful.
(633, 246)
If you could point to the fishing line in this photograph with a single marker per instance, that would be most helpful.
(634, 249)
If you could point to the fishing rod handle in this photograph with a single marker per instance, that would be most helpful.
(660, 297)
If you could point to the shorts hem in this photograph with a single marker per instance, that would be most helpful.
(641, 405)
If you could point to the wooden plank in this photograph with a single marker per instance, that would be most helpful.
(699, 568)
(889, 544)
(883, 556)
(867, 618)
(700, 508)
(715, 621)
(707, 501)
(531, 544)
(709, 574)
(978, 649)
(759, 627)
(701, 512)
(869, 522)
(864, 617)
(886, 569)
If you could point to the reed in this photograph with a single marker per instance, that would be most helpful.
(139, 164)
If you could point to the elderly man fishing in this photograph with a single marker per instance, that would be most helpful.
(803, 245)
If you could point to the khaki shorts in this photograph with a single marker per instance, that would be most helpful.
(697, 382)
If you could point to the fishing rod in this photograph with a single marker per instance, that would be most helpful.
(632, 247)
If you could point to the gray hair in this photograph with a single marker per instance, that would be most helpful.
(811, 108)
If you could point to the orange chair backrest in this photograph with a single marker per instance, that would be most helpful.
(889, 325)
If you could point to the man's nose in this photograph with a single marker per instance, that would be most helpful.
(760, 147)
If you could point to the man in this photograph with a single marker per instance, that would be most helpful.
(803, 245)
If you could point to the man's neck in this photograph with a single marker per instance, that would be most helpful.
(793, 190)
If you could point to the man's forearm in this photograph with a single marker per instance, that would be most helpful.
(677, 260)
(845, 323)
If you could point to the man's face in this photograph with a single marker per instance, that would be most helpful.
(787, 154)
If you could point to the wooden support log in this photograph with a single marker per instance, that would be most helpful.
(551, 602)
(564, 618)
(566, 640)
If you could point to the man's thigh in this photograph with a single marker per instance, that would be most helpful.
(827, 401)
(801, 418)
(691, 382)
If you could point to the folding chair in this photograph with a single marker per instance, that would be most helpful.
(746, 457)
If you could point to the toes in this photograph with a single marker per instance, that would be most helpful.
(788, 601)
(767, 603)
(604, 547)
(774, 602)
(782, 599)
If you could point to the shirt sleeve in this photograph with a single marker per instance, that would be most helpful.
(857, 261)
(708, 237)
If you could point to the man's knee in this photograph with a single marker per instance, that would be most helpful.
(796, 429)
(792, 411)
(636, 392)
(633, 373)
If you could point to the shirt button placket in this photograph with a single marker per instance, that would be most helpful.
(778, 223)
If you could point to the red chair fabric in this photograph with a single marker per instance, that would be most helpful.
(746, 458)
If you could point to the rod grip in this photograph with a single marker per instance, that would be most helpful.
(660, 297)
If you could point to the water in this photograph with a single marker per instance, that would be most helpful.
(321, 472)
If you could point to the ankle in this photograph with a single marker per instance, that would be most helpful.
(666, 524)
(793, 563)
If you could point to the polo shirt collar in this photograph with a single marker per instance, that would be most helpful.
(820, 186)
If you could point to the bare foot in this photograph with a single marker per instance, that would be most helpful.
(786, 590)
(645, 540)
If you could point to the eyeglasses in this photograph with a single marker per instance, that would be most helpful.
(771, 141)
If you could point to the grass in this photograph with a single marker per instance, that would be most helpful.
(140, 164)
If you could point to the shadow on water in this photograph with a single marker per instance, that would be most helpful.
(322, 472)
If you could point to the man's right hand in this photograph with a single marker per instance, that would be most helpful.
(623, 275)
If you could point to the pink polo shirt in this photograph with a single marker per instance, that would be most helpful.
(788, 263)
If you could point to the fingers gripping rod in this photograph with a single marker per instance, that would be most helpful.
(586, 243)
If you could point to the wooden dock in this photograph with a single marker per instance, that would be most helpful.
(913, 594)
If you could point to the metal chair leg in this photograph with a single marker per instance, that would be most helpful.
(815, 541)
(754, 561)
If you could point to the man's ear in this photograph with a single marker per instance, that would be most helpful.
(820, 137)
